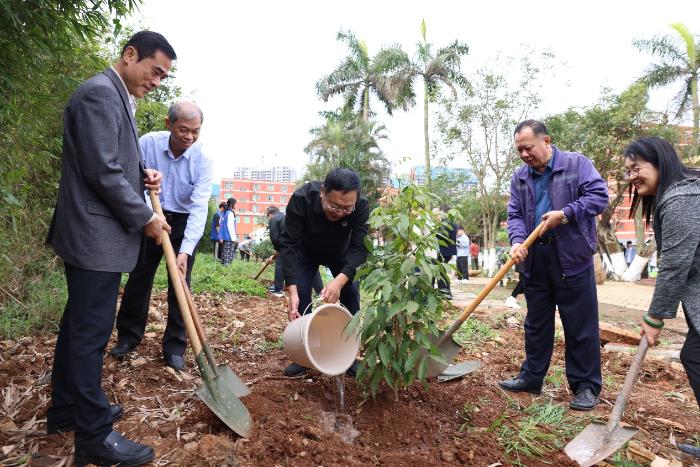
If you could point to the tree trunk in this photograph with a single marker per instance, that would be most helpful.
(609, 247)
(365, 105)
(428, 174)
(643, 251)
(696, 117)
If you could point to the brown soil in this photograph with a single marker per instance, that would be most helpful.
(295, 419)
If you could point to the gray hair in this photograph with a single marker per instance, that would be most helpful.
(185, 110)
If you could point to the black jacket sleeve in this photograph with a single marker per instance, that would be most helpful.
(291, 238)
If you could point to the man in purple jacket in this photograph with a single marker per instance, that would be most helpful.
(565, 190)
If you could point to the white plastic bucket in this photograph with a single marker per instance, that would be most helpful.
(316, 340)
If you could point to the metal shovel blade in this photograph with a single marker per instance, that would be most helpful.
(595, 443)
(457, 370)
(450, 349)
(220, 397)
(238, 387)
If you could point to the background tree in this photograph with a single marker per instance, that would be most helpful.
(680, 61)
(346, 140)
(434, 70)
(601, 132)
(361, 75)
(479, 130)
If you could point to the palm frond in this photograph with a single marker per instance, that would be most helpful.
(664, 47)
(683, 98)
(661, 75)
(689, 41)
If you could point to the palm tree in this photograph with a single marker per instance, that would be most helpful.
(346, 140)
(677, 63)
(436, 70)
(359, 76)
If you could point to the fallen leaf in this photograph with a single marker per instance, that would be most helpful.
(173, 373)
(8, 449)
(671, 424)
(139, 361)
(7, 424)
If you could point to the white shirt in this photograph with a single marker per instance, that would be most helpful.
(186, 184)
(132, 99)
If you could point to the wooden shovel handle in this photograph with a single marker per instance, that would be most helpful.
(489, 287)
(630, 379)
(267, 263)
(175, 280)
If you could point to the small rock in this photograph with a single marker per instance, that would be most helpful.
(201, 427)
(447, 456)
(191, 446)
(302, 454)
(187, 437)
(305, 442)
(139, 361)
(155, 315)
(271, 336)
(150, 335)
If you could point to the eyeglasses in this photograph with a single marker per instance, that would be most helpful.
(633, 172)
(338, 210)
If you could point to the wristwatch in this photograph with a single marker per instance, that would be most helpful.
(564, 219)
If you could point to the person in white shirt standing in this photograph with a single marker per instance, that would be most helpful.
(186, 189)
(462, 255)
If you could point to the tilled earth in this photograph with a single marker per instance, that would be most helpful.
(296, 420)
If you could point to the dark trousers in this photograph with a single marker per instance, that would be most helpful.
(308, 278)
(463, 267)
(690, 358)
(316, 285)
(77, 365)
(133, 313)
(519, 288)
(577, 300)
(444, 284)
(475, 262)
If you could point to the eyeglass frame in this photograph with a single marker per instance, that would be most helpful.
(627, 174)
(336, 209)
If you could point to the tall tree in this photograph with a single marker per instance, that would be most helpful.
(680, 61)
(346, 140)
(434, 70)
(479, 128)
(601, 132)
(360, 75)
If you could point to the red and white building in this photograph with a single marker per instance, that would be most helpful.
(252, 199)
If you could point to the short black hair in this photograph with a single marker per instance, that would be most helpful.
(343, 180)
(629, 242)
(538, 128)
(231, 202)
(222, 205)
(147, 43)
(272, 210)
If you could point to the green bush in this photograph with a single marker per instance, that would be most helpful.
(401, 308)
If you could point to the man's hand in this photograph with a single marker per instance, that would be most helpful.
(293, 303)
(518, 253)
(181, 263)
(152, 179)
(154, 228)
(331, 292)
(650, 332)
(553, 219)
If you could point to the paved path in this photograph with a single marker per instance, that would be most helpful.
(624, 294)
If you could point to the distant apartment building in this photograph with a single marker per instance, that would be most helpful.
(252, 199)
(462, 177)
(269, 174)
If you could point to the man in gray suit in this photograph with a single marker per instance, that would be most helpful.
(97, 229)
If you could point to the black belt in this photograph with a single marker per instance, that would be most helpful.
(171, 215)
(545, 241)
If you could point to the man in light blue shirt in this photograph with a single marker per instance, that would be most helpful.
(185, 192)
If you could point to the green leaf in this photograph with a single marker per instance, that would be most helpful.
(385, 353)
(412, 307)
(423, 369)
(411, 360)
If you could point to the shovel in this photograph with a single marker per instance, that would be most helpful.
(445, 343)
(267, 263)
(598, 441)
(215, 392)
(224, 371)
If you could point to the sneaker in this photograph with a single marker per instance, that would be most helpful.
(511, 302)
(276, 292)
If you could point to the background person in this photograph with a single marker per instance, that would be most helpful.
(462, 245)
(565, 190)
(227, 233)
(630, 252)
(474, 251)
(446, 252)
(215, 226)
(325, 224)
(102, 185)
(185, 192)
(245, 248)
(668, 191)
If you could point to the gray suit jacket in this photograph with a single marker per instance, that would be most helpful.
(100, 211)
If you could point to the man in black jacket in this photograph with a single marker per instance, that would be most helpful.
(325, 224)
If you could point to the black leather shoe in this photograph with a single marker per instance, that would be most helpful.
(584, 399)
(122, 349)
(65, 426)
(115, 449)
(519, 385)
(690, 449)
(352, 371)
(295, 370)
(176, 362)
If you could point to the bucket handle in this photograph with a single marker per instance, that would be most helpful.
(315, 301)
